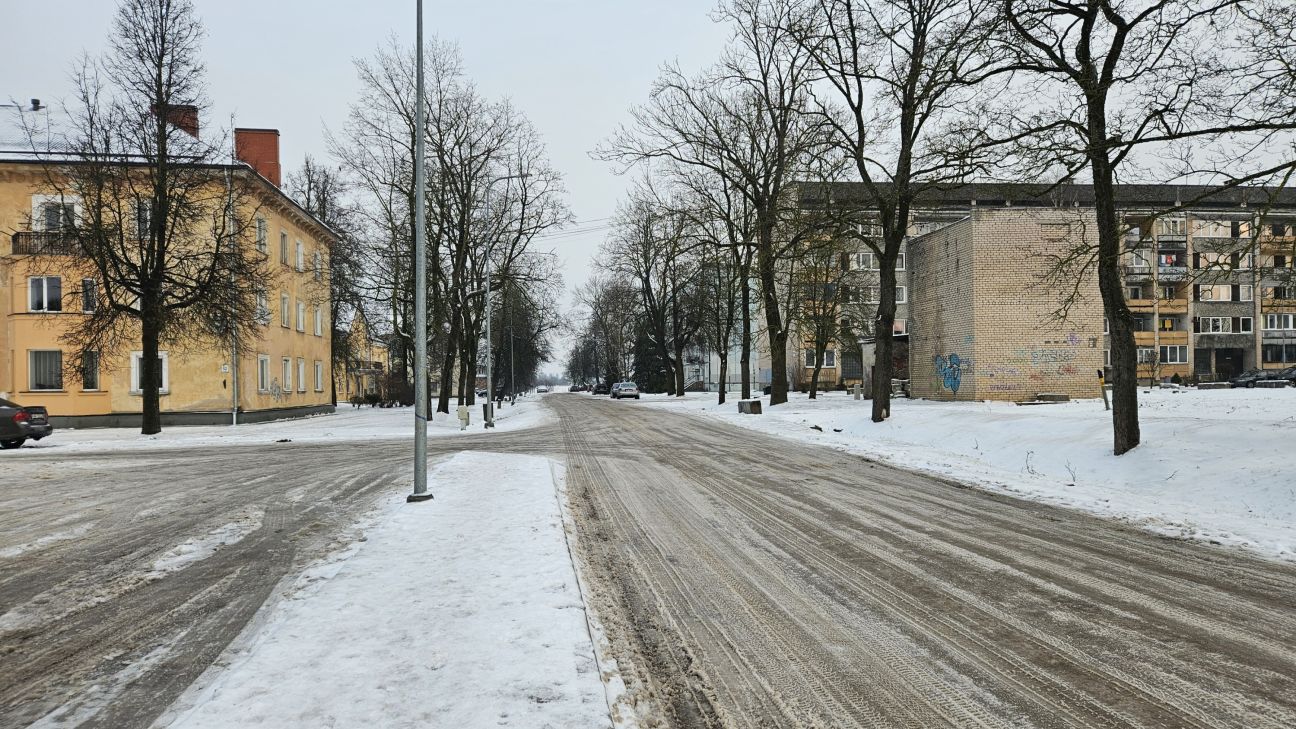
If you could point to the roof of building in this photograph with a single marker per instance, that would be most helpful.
(1063, 195)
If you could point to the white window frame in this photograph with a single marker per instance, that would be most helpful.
(283, 247)
(38, 209)
(902, 295)
(300, 256)
(319, 376)
(301, 315)
(1279, 322)
(1180, 350)
(263, 373)
(286, 367)
(44, 288)
(285, 311)
(301, 374)
(262, 235)
(317, 261)
(830, 358)
(1246, 325)
(319, 321)
(136, 360)
(31, 386)
(1146, 355)
(1214, 325)
(1246, 292)
(900, 326)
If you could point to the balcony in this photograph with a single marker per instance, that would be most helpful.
(1172, 273)
(1138, 273)
(46, 244)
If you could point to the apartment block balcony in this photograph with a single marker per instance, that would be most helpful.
(29, 243)
(1172, 273)
(1138, 273)
(1218, 243)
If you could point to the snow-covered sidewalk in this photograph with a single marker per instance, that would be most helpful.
(347, 424)
(460, 612)
(1215, 465)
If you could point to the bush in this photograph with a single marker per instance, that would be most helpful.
(372, 398)
(1176, 379)
(357, 400)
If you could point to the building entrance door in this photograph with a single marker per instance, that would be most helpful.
(1228, 363)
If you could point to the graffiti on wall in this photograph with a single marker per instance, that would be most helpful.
(950, 371)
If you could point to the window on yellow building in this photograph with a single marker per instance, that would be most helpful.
(301, 316)
(45, 293)
(262, 235)
(89, 295)
(319, 376)
(301, 257)
(283, 248)
(301, 374)
(263, 373)
(45, 369)
(319, 265)
(285, 310)
(90, 370)
(319, 321)
(286, 379)
(137, 373)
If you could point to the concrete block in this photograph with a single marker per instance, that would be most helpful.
(749, 407)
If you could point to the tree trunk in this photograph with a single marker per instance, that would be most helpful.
(724, 378)
(149, 374)
(778, 334)
(1124, 355)
(884, 342)
(745, 361)
(814, 376)
(447, 368)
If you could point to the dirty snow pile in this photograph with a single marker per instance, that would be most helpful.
(347, 424)
(463, 611)
(1214, 465)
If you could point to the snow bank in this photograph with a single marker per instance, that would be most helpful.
(1215, 465)
(458, 612)
(347, 424)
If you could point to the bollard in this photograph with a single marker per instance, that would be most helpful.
(464, 415)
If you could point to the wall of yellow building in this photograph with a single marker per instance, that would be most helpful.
(198, 379)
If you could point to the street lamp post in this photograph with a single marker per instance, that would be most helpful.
(420, 284)
(490, 364)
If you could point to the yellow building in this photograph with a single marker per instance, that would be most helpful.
(45, 285)
(367, 366)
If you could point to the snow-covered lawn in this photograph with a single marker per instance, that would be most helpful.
(1215, 465)
(347, 424)
(463, 612)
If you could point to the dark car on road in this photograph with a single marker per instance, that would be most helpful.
(18, 423)
(1249, 378)
(602, 388)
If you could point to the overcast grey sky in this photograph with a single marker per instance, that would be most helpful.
(574, 67)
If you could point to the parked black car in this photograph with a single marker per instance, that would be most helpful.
(1249, 378)
(18, 423)
(1288, 374)
(602, 388)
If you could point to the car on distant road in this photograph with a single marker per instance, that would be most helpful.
(602, 388)
(1249, 378)
(541, 389)
(19, 423)
(625, 389)
(578, 388)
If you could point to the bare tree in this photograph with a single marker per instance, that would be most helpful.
(744, 121)
(322, 191)
(897, 72)
(165, 222)
(1130, 81)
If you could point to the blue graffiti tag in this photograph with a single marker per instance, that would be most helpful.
(950, 370)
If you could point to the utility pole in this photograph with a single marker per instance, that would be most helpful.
(420, 284)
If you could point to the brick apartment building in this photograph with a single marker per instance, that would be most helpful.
(1213, 285)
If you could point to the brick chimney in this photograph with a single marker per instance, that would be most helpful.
(182, 116)
(259, 148)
